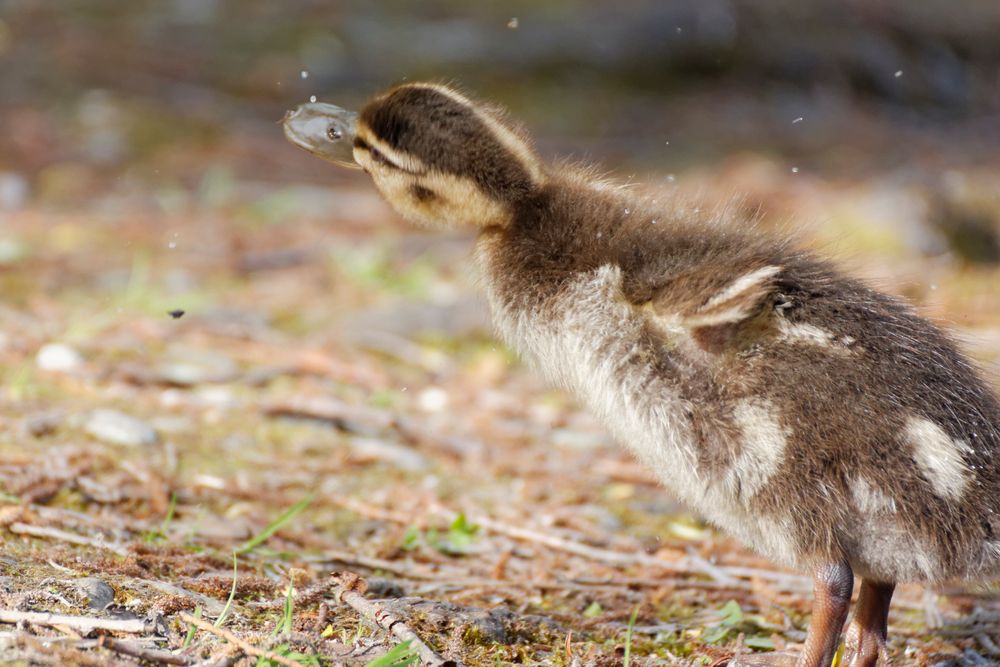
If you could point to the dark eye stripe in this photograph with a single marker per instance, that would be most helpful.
(374, 152)
(381, 159)
(377, 156)
(422, 193)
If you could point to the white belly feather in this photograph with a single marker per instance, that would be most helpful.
(590, 341)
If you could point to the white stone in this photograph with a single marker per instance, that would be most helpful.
(432, 399)
(118, 428)
(58, 357)
(13, 191)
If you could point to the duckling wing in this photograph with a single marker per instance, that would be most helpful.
(722, 314)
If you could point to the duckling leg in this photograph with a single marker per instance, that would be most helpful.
(867, 633)
(832, 586)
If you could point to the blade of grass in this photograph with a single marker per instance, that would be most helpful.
(628, 638)
(275, 525)
(161, 532)
(285, 624)
(401, 655)
(165, 526)
(229, 603)
(192, 629)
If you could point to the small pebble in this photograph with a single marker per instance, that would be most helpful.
(384, 588)
(42, 424)
(14, 191)
(176, 314)
(432, 399)
(99, 594)
(58, 357)
(399, 456)
(118, 428)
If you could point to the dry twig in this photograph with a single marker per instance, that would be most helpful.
(143, 652)
(244, 646)
(351, 589)
(84, 624)
(63, 536)
(401, 569)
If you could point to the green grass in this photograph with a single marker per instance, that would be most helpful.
(229, 603)
(627, 659)
(401, 655)
(285, 624)
(735, 621)
(455, 541)
(275, 526)
(161, 532)
(192, 629)
(284, 627)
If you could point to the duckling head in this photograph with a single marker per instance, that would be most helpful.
(443, 160)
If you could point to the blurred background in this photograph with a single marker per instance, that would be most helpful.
(861, 125)
(192, 308)
(149, 96)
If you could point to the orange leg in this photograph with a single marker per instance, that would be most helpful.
(867, 633)
(832, 586)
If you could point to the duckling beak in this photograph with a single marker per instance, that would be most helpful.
(325, 130)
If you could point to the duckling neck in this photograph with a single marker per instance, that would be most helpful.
(554, 284)
(562, 226)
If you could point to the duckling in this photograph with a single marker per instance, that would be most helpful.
(819, 421)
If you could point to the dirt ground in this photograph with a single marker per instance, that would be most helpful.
(284, 382)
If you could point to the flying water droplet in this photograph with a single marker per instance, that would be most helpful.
(312, 98)
(513, 23)
(797, 120)
(795, 170)
(304, 74)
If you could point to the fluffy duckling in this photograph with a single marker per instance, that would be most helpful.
(819, 421)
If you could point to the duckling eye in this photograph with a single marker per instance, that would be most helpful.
(333, 134)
